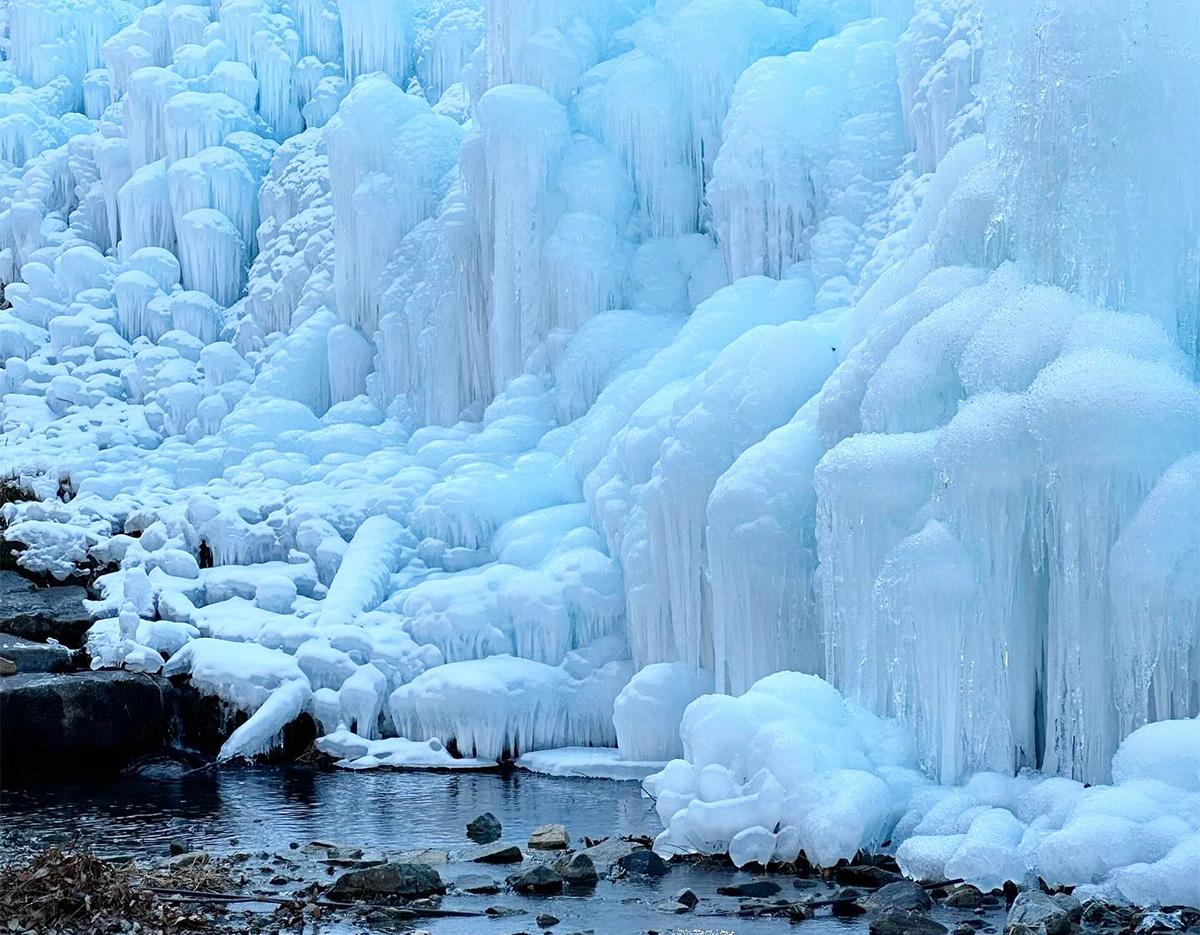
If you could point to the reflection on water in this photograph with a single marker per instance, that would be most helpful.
(378, 810)
(266, 809)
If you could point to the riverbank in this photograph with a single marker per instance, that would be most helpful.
(274, 842)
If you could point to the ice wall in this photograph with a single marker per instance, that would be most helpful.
(511, 373)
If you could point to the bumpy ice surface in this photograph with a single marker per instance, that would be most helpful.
(802, 392)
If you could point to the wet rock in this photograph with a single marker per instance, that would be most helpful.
(177, 847)
(550, 838)
(501, 912)
(963, 896)
(495, 854)
(28, 656)
(538, 881)
(687, 898)
(392, 880)
(754, 888)
(485, 829)
(1035, 913)
(867, 876)
(644, 862)
(847, 903)
(606, 854)
(98, 718)
(903, 894)
(478, 885)
(424, 855)
(893, 921)
(1072, 905)
(1096, 914)
(578, 871)
(673, 907)
(545, 920)
(36, 613)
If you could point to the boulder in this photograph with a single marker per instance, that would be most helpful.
(1035, 913)
(644, 862)
(606, 854)
(477, 885)
(867, 876)
(687, 898)
(28, 656)
(899, 922)
(578, 871)
(39, 614)
(550, 838)
(903, 894)
(83, 718)
(537, 881)
(388, 881)
(752, 888)
(495, 854)
(485, 829)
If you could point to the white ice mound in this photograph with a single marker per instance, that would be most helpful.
(791, 767)
(648, 711)
(790, 758)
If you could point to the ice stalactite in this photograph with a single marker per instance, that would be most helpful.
(375, 37)
(795, 151)
(522, 134)
(742, 393)
(1132, 248)
(1155, 596)
(871, 490)
(212, 255)
(762, 555)
(1097, 470)
(388, 155)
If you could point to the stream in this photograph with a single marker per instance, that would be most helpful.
(256, 809)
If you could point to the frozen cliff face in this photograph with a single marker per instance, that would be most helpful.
(509, 375)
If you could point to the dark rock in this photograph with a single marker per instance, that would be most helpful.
(894, 921)
(1072, 905)
(478, 885)
(867, 876)
(28, 656)
(578, 871)
(538, 881)
(903, 894)
(605, 854)
(90, 718)
(177, 847)
(500, 912)
(687, 898)
(963, 896)
(495, 854)
(405, 881)
(420, 855)
(1035, 913)
(40, 614)
(847, 903)
(643, 862)
(545, 920)
(754, 888)
(549, 838)
(485, 829)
